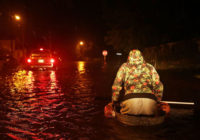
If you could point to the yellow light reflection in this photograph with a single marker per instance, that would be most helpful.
(17, 83)
(81, 67)
(30, 81)
(41, 88)
(81, 43)
(53, 80)
(22, 81)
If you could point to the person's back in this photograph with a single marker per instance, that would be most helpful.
(142, 86)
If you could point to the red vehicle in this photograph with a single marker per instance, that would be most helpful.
(41, 58)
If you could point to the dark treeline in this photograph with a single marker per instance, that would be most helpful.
(106, 24)
(139, 24)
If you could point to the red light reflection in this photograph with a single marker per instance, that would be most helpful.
(37, 95)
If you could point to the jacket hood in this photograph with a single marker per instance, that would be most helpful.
(135, 57)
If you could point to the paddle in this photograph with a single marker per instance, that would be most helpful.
(195, 105)
(179, 103)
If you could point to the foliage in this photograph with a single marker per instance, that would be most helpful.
(126, 28)
(138, 24)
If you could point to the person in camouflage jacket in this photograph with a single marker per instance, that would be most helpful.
(137, 76)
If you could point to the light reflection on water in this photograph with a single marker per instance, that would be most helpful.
(62, 105)
(30, 79)
(38, 108)
(81, 67)
(34, 98)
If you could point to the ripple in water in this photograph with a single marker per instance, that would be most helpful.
(37, 108)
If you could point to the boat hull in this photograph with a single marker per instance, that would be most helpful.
(139, 120)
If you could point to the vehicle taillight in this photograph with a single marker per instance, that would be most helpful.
(29, 60)
(52, 60)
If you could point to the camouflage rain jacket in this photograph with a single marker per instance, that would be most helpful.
(137, 77)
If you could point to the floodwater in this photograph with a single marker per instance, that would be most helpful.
(68, 104)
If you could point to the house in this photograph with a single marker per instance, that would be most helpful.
(8, 47)
(185, 53)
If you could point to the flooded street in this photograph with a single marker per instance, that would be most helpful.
(68, 104)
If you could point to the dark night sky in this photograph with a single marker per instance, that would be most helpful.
(68, 21)
(71, 20)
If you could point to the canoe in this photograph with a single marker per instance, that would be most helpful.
(132, 120)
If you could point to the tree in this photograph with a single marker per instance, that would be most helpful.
(137, 24)
(127, 28)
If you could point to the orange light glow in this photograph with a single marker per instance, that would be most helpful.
(104, 52)
(17, 17)
(81, 43)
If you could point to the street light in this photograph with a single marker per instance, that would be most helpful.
(17, 17)
(81, 43)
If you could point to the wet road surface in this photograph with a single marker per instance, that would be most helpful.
(68, 104)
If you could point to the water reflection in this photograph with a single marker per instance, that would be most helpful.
(30, 79)
(17, 82)
(38, 108)
(81, 67)
(68, 104)
(35, 97)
